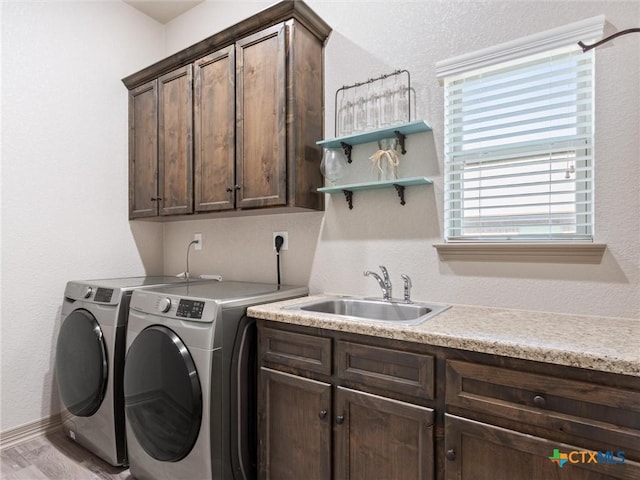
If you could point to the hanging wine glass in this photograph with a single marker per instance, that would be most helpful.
(349, 114)
(387, 102)
(373, 111)
(361, 112)
(333, 165)
(342, 115)
(396, 95)
(402, 107)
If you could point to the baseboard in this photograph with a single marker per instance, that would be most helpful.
(30, 430)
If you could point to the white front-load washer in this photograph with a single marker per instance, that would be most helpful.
(89, 361)
(190, 380)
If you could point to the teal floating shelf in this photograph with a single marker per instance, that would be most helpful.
(375, 135)
(354, 187)
(399, 184)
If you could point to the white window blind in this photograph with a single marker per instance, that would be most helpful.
(519, 149)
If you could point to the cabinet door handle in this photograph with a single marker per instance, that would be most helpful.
(539, 401)
(156, 199)
(229, 189)
(451, 455)
(323, 414)
(340, 419)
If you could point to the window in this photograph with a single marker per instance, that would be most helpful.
(519, 142)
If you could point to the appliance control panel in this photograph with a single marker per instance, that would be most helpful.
(103, 295)
(190, 309)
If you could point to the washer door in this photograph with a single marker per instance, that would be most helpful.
(81, 363)
(162, 394)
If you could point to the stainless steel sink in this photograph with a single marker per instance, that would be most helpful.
(370, 309)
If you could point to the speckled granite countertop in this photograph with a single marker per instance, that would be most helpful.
(597, 343)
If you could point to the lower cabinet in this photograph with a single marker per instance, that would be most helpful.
(479, 451)
(378, 438)
(508, 423)
(294, 417)
(337, 405)
(320, 430)
(373, 437)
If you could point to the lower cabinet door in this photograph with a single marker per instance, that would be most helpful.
(294, 421)
(381, 438)
(478, 451)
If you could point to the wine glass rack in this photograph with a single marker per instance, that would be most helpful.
(373, 103)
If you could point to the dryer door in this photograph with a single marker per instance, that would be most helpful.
(162, 394)
(81, 363)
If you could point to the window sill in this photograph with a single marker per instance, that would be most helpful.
(522, 252)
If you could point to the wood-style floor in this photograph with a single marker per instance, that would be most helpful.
(55, 457)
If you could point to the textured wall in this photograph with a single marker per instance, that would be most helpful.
(64, 170)
(242, 248)
(64, 176)
(370, 38)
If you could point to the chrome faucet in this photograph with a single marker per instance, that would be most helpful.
(407, 288)
(384, 282)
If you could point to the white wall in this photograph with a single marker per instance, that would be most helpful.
(208, 18)
(64, 176)
(64, 170)
(370, 38)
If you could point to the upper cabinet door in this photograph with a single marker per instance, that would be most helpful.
(260, 114)
(214, 127)
(175, 141)
(305, 107)
(143, 150)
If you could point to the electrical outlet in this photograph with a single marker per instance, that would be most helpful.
(197, 237)
(285, 236)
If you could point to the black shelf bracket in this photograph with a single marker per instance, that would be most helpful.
(347, 150)
(348, 195)
(400, 190)
(401, 138)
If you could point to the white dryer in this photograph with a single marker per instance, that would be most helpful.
(190, 380)
(89, 361)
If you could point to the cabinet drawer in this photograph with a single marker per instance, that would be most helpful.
(609, 415)
(389, 369)
(296, 350)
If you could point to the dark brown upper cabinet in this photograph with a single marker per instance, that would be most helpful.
(175, 142)
(261, 133)
(143, 150)
(214, 113)
(160, 146)
(231, 123)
